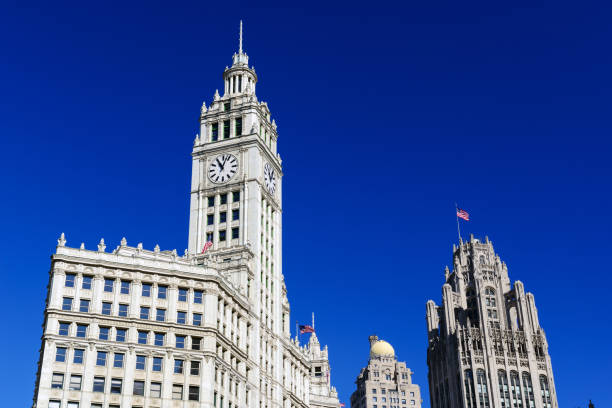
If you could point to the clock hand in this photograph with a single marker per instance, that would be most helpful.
(220, 165)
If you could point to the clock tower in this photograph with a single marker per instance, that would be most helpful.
(237, 185)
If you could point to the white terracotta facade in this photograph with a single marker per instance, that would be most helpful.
(150, 328)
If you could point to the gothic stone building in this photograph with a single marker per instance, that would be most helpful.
(385, 382)
(486, 346)
(151, 329)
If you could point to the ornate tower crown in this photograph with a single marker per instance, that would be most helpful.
(239, 78)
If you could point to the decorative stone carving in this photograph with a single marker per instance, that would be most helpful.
(123, 242)
(62, 240)
(101, 245)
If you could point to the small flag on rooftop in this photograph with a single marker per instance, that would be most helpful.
(463, 214)
(304, 328)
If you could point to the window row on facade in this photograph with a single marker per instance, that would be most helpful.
(145, 313)
(116, 386)
(222, 130)
(125, 288)
(121, 335)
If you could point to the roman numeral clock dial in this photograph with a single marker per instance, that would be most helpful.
(222, 168)
(269, 178)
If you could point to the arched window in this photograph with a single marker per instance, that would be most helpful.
(515, 390)
(546, 401)
(483, 391)
(504, 392)
(470, 396)
(472, 307)
(482, 259)
(491, 305)
(528, 390)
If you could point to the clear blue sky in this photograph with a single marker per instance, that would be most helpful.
(388, 113)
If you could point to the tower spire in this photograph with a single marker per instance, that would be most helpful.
(240, 46)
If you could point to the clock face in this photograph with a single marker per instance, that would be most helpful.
(222, 168)
(269, 178)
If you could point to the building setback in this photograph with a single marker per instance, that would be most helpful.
(486, 346)
(152, 329)
(385, 382)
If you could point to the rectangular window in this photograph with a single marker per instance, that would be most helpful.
(226, 129)
(121, 335)
(123, 310)
(81, 330)
(60, 354)
(125, 287)
(86, 284)
(141, 362)
(235, 214)
(70, 278)
(226, 106)
(181, 317)
(108, 285)
(155, 390)
(197, 319)
(57, 381)
(210, 219)
(211, 201)
(209, 237)
(157, 363)
(67, 303)
(78, 356)
(235, 233)
(182, 295)
(180, 341)
(177, 392)
(178, 366)
(223, 198)
(72, 405)
(159, 339)
(214, 134)
(223, 216)
(101, 358)
(222, 235)
(116, 386)
(54, 404)
(75, 383)
(235, 196)
(144, 312)
(195, 343)
(106, 308)
(142, 337)
(104, 333)
(197, 296)
(139, 387)
(118, 363)
(195, 368)
(64, 329)
(161, 292)
(238, 124)
(194, 393)
(84, 306)
(161, 315)
(98, 384)
(146, 290)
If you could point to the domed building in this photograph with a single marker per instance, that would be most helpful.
(385, 382)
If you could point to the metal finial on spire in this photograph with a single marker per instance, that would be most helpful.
(240, 48)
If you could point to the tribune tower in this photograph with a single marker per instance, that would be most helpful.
(486, 346)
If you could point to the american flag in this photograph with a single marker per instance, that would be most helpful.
(207, 245)
(342, 405)
(306, 329)
(463, 214)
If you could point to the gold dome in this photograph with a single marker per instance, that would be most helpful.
(381, 348)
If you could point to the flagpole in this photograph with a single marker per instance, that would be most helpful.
(297, 330)
(457, 217)
(313, 321)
